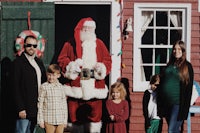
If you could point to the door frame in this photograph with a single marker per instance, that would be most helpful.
(115, 32)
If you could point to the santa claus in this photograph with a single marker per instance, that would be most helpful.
(85, 61)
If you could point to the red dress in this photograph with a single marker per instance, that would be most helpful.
(121, 113)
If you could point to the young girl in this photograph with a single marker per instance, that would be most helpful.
(153, 123)
(117, 108)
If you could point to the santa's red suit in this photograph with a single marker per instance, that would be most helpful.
(88, 91)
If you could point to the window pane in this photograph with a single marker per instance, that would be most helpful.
(146, 18)
(148, 72)
(160, 55)
(147, 38)
(161, 36)
(176, 19)
(147, 55)
(161, 18)
(175, 35)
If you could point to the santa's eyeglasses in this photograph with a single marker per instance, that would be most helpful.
(87, 28)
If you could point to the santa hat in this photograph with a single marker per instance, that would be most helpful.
(83, 22)
(90, 24)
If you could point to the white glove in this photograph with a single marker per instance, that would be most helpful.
(72, 71)
(100, 71)
(78, 65)
(98, 68)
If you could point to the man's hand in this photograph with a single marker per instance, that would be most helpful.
(22, 114)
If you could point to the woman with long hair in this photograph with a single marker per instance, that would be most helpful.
(176, 88)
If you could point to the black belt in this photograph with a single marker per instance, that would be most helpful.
(86, 73)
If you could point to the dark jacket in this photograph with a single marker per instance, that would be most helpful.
(185, 97)
(145, 102)
(25, 84)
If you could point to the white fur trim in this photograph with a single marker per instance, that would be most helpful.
(87, 86)
(100, 71)
(73, 92)
(79, 62)
(101, 93)
(89, 90)
(89, 54)
(95, 127)
(90, 23)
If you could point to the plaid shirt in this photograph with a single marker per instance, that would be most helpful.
(52, 104)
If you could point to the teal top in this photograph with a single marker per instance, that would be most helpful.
(171, 85)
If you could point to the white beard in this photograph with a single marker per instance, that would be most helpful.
(89, 56)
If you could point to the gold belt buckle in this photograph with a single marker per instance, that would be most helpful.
(85, 74)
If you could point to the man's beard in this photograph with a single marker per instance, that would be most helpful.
(87, 36)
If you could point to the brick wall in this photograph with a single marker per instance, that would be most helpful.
(136, 118)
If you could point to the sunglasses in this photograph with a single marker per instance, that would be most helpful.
(30, 45)
(156, 85)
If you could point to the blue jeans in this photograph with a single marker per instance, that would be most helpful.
(25, 125)
(174, 125)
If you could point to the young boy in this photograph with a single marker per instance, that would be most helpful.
(52, 102)
(153, 123)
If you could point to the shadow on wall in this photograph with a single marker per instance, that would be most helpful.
(125, 81)
(7, 106)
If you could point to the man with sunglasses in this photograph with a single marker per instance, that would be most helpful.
(29, 73)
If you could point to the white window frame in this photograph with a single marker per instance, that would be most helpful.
(115, 44)
(138, 85)
(199, 5)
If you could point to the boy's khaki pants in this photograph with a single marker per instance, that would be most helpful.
(54, 128)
